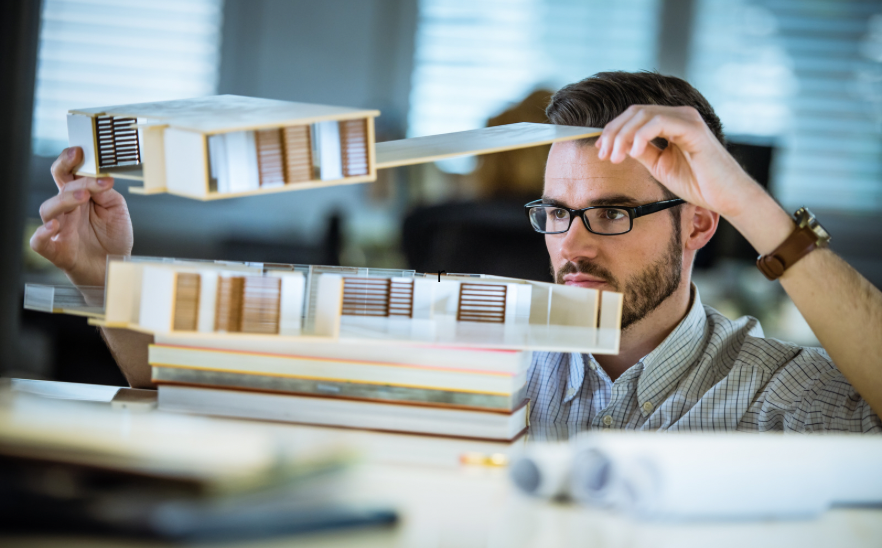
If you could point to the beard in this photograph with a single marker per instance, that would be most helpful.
(645, 290)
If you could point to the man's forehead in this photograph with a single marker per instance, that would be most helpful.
(576, 161)
(575, 177)
(583, 172)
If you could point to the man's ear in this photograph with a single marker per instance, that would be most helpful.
(699, 225)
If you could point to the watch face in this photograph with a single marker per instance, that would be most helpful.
(804, 217)
(816, 227)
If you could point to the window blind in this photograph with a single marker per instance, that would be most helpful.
(806, 73)
(475, 59)
(106, 52)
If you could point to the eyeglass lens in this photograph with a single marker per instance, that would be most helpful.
(602, 220)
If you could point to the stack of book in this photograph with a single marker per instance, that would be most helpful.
(415, 388)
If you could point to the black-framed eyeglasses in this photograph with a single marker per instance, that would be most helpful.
(602, 220)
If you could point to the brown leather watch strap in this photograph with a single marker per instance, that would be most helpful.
(795, 247)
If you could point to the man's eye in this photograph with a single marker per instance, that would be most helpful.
(613, 214)
(559, 213)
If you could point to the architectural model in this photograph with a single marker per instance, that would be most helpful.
(268, 304)
(226, 145)
(390, 350)
(380, 349)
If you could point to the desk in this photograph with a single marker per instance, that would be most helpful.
(443, 503)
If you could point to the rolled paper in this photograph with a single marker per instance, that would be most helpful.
(598, 462)
(711, 476)
(544, 470)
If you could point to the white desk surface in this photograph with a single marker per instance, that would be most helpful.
(442, 503)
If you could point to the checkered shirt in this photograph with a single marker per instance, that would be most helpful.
(710, 373)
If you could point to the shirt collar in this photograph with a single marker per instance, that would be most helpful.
(576, 376)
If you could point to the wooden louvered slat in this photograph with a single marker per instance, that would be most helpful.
(401, 298)
(261, 298)
(297, 147)
(366, 296)
(106, 149)
(228, 307)
(186, 302)
(481, 303)
(270, 157)
(353, 147)
(117, 141)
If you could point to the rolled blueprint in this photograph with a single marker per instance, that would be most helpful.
(544, 470)
(598, 464)
(731, 476)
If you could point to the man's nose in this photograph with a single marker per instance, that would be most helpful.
(578, 242)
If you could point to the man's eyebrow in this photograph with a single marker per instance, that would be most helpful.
(615, 199)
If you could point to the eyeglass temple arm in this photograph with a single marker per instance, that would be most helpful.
(657, 206)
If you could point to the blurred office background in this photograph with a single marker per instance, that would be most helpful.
(797, 83)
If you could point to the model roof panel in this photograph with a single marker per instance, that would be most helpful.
(418, 150)
(222, 113)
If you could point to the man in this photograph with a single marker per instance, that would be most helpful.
(681, 366)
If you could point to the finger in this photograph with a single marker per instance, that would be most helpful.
(648, 155)
(90, 184)
(64, 202)
(41, 241)
(78, 192)
(625, 136)
(65, 165)
(103, 193)
(673, 129)
(643, 137)
(607, 137)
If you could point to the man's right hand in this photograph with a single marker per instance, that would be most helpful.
(84, 223)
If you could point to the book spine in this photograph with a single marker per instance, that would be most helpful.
(332, 369)
(358, 391)
(386, 417)
(487, 361)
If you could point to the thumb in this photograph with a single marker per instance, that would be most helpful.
(42, 242)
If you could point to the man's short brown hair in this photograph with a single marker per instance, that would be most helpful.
(598, 99)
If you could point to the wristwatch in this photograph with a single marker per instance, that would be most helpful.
(809, 234)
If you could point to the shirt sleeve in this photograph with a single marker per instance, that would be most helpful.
(808, 394)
